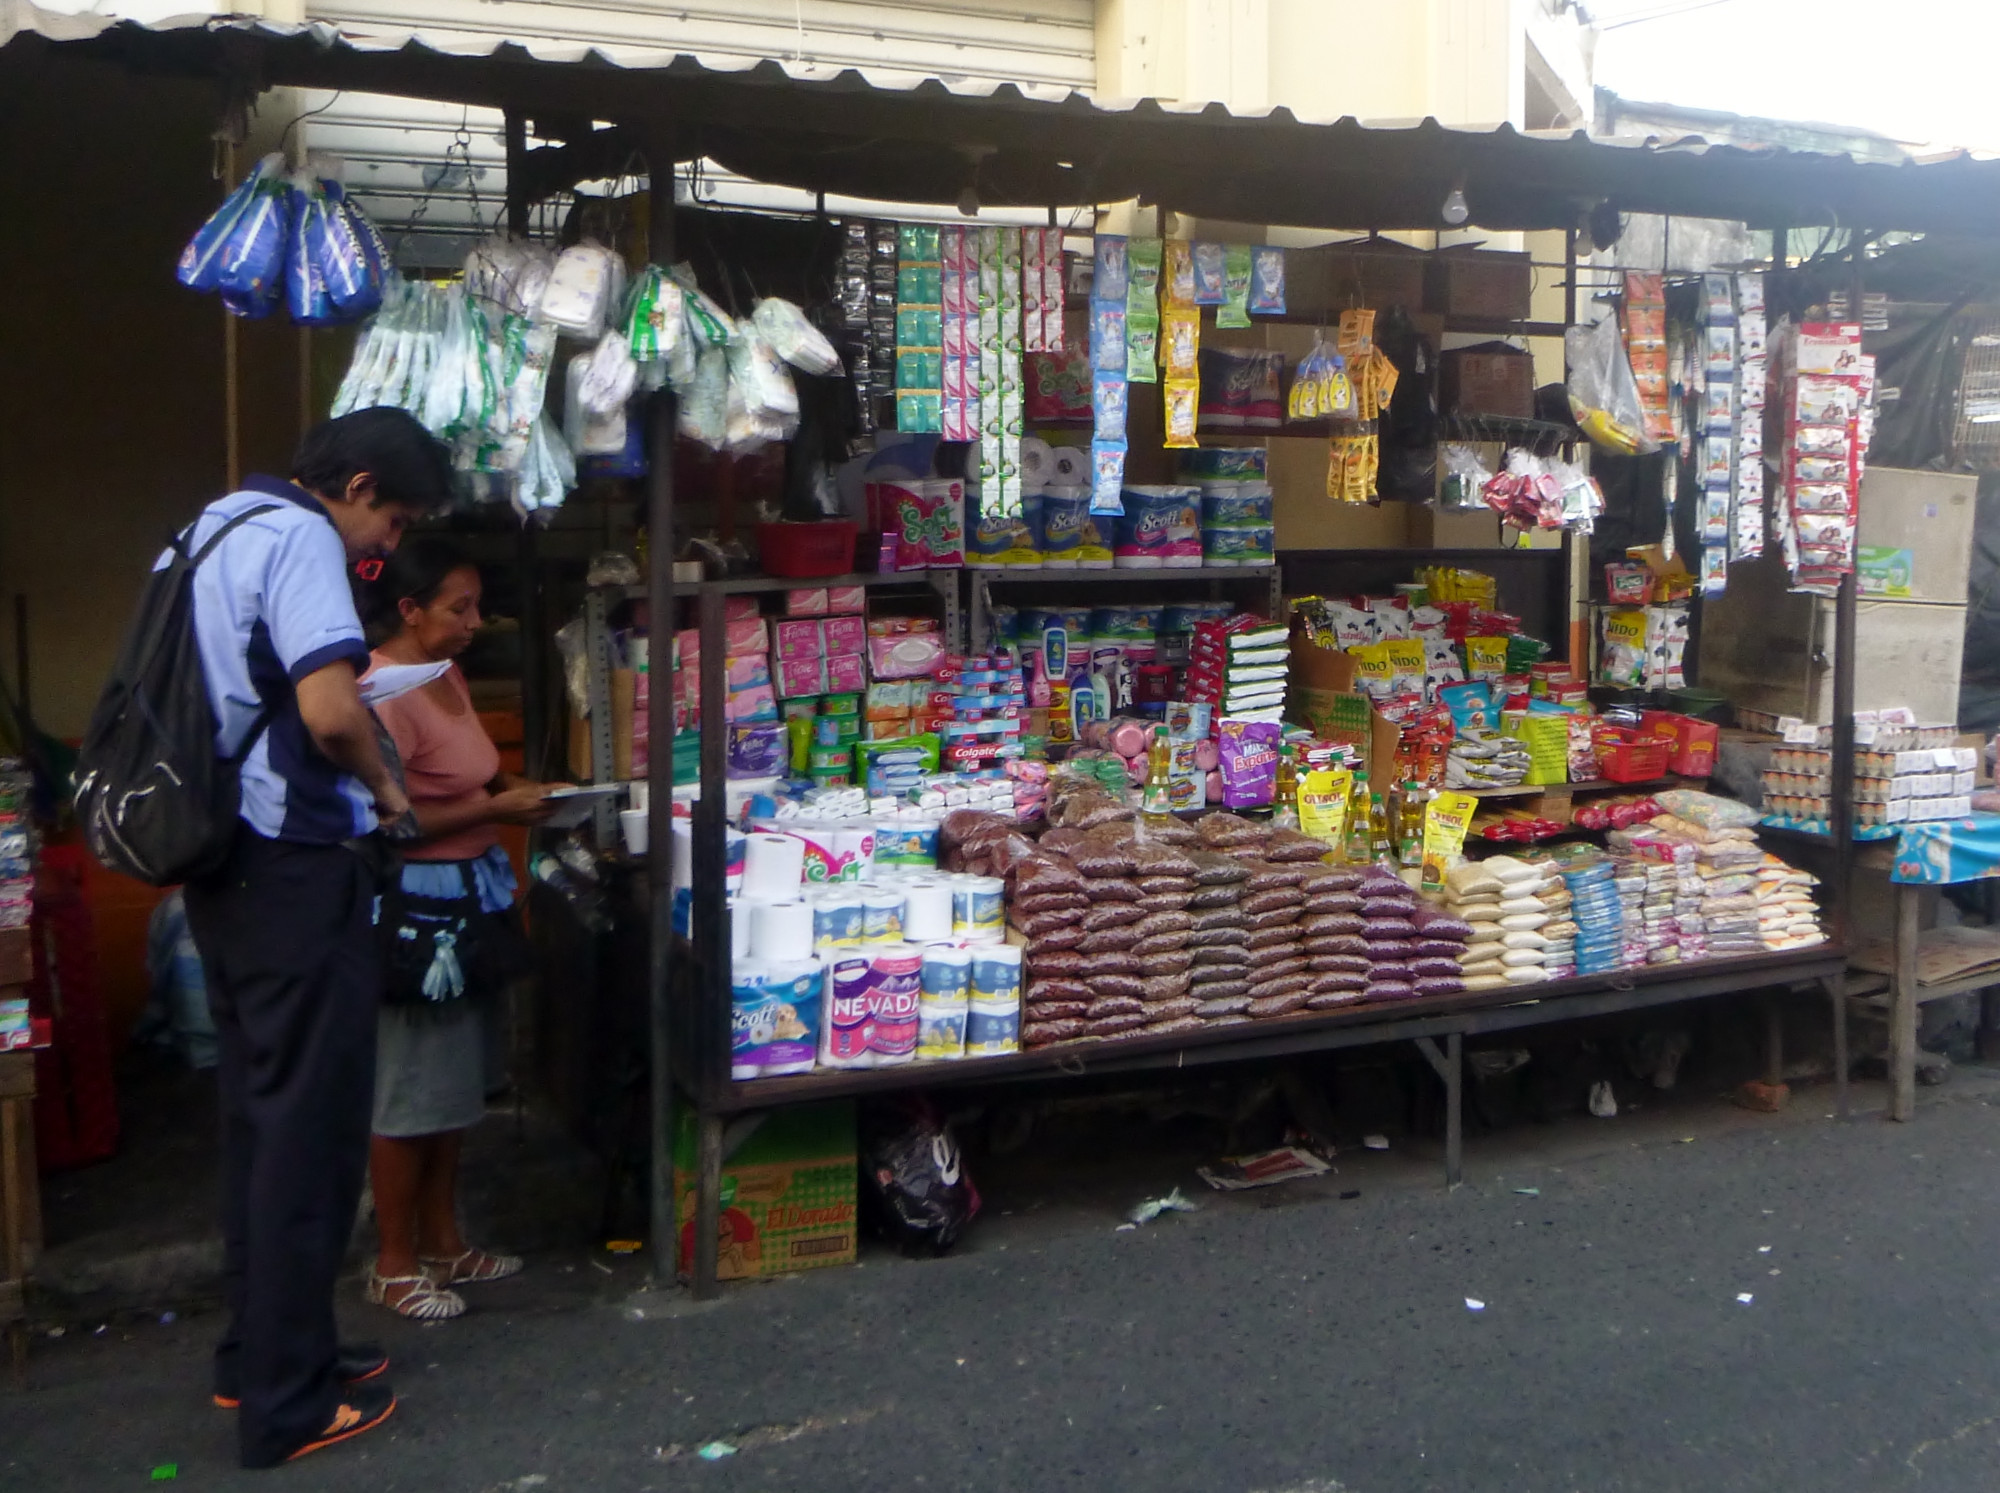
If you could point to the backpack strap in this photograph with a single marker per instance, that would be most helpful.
(194, 560)
(263, 717)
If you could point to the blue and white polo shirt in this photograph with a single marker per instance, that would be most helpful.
(272, 605)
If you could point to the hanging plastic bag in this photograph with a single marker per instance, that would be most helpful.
(704, 413)
(251, 273)
(548, 471)
(707, 323)
(916, 1192)
(526, 350)
(1465, 479)
(201, 262)
(767, 385)
(794, 338)
(609, 376)
(347, 259)
(588, 432)
(306, 293)
(581, 291)
(1603, 395)
(509, 274)
(656, 323)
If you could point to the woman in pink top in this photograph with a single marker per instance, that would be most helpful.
(448, 936)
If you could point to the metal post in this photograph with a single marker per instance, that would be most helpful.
(1836, 989)
(1903, 1007)
(1774, 1042)
(711, 942)
(1842, 811)
(660, 752)
(527, 556)
(1454, 1110)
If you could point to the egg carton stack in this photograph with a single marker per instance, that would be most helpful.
(1787, 915)
(1598, 914)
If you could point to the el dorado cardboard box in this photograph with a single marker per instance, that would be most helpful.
(788, 1193)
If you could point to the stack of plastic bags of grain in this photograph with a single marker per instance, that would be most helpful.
(1662, 930)
(1330, 924)
(1276, 977)
(1047, 908)
(1219, 964)
(1388, 906)
(1522, 918)
(1689, 893)
(1630, 879)
(1436, 964)
(1559, 932)
(1165, 878)
(1599, 916)
(1472, 895)
(1787, 916)
(1485, 759)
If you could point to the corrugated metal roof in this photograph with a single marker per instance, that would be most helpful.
(896, 135)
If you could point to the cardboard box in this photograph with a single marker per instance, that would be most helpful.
(1487, 284)
(1487, 380)
(788, 1193)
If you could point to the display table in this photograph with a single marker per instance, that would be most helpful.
(18, 1210)
(1947, 961)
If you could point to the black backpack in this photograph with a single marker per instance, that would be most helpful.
(154, 799)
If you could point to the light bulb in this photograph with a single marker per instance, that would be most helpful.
(1456, 211)
(968, 202)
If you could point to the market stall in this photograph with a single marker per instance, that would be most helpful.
(837, 707)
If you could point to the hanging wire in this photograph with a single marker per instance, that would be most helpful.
(285, 138)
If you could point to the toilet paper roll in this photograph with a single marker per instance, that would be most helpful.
(773, 866)
(781, 932)
(1068, 467)
(1037, 461)
(739, 930)
(926, 912)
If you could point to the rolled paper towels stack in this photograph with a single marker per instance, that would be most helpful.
(926, 911)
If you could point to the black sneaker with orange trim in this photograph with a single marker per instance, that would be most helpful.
(353, 1363)
(362, 1408)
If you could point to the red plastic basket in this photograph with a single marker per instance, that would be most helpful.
(1626, 758)
(805, 551)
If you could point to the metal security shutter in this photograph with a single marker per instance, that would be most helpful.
(1047, 42)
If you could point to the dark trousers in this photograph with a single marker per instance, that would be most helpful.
(287, 942)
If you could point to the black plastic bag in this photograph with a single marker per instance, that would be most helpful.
(915, 1190)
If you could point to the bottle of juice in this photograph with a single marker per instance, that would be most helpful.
(1355, 849)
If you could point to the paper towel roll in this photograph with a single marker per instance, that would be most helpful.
(772, 867)
(926, 911)
(1069, 467)
(781, 932)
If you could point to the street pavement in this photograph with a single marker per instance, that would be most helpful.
(1698, 1298)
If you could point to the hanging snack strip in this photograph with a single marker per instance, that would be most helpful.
(1109, 283)
(1643, 318)
(1180, 340)
(867, 360)
(1353, 461)
(1142, 311)
(1823, 454)
(1716, 446)
(919, 329)
(1746, 525)
(995, 267)
(1041, 290)
(960, 287)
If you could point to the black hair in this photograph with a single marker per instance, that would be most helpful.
(410, 465)
(415, 572)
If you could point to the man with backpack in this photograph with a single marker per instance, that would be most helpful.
(280, 895)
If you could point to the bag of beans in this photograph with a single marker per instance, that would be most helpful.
(1104, 915)
(1147, 949)
(1232, 1004)
(1212, 869)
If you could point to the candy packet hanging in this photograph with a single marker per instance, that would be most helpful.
(1211, 274)
(1235, 309)
(1267, 281)
(1183, 404)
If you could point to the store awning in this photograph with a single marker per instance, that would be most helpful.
(899, 136)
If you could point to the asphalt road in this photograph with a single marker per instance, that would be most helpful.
(1287, 1341)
